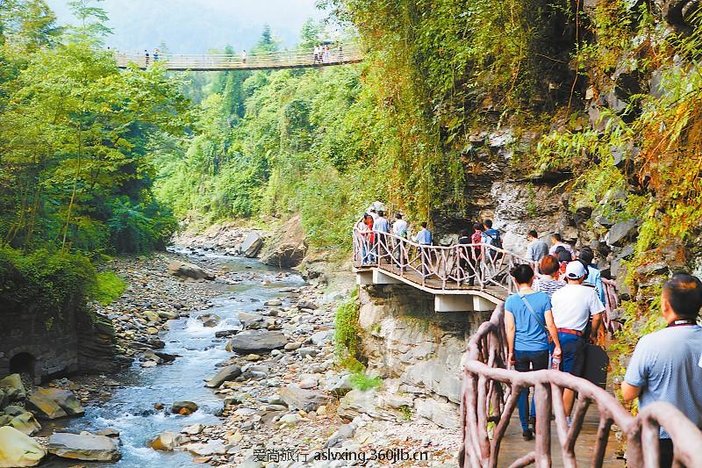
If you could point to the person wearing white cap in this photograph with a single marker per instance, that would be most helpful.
(573, 306)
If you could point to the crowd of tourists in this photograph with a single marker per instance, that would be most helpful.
(322, 53)
(553, 321)
(554, 318)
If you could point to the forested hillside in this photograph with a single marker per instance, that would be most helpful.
(75, 166)
(598, 99)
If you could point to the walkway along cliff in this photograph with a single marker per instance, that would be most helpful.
(424, 315)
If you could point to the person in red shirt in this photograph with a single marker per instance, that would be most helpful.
(476, 252)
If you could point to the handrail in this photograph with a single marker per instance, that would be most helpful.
(490, 392)
(462, 266)
(347, 53)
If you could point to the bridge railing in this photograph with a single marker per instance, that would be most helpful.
(348, 53)
(490, 392)
(459, 266)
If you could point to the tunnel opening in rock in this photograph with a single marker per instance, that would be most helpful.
(23, 363)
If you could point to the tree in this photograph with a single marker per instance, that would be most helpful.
(310, 35)
(266, 44)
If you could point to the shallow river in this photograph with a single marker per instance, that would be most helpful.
(131, 409)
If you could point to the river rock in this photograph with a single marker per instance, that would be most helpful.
(252, 245)
(210, 320)
(18, 449)
(12, 387)
(224, 375)
(166, 442)
(64, 398)
(320, 338)
(168, 314)
(212, 447)
(257, 341)
(25, 422)
(184, 407)
(226, 333)
(84, 446)
(45, 407)
(252, 321)
(307, 305)
(357, 402)
(188, 270)
(287, 247)
(306, 400)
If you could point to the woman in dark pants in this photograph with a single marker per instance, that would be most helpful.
(529, 322)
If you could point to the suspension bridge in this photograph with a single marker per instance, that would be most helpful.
(338, 55)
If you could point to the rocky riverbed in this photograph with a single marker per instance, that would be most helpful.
(234, 365)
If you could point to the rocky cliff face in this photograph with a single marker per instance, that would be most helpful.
(416, 350)
(43, 344)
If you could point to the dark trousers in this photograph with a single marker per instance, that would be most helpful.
(666, 453)
(526, 361)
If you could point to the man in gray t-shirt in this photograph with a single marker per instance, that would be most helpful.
(537, 249)
(666, 364)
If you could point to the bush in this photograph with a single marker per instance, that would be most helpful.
(347, 333)
(44, 280)
(109, 287)
(361, 381)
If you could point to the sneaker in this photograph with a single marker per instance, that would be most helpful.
(528, 434)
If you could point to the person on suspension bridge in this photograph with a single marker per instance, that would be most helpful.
(492, 238)
(557, 241)
(667, 364)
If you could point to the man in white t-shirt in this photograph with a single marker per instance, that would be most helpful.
(573, 306)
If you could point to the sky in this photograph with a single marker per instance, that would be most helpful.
(196, 26)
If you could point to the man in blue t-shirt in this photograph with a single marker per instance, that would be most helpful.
(666, 364)
(529, 321)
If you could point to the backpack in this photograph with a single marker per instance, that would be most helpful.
(494, 241)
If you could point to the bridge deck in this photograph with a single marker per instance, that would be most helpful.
(218, 62)
(514, 446)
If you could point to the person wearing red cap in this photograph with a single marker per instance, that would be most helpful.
(573, 306)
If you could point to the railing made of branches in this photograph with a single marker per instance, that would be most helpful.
(489, 398)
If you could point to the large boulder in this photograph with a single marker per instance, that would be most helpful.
(301, 399)
(22, 420)
(188, 270)
(184, 407)
(166, 442)
(443, 414)
(252, 245)
(224, 375)
(45, 407)
(17, 449)
(287, 247)
(210, 320)
(621, 232)
(12, 387)
(84, 446)
(64, 398)
(257, 341)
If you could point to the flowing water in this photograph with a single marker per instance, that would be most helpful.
(131, 409)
